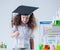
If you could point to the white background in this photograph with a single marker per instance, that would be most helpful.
(47, 9)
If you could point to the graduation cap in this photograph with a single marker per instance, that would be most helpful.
(24, 10)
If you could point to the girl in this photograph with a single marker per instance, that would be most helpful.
(23, 27)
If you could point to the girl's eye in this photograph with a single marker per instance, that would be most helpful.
(27, 18)
(23, 17)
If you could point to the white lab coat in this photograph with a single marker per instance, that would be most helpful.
(24, 37)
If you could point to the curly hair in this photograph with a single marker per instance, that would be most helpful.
(31, 23)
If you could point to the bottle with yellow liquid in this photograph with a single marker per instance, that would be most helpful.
(1, 45)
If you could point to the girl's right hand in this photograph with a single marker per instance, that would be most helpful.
(16, 33)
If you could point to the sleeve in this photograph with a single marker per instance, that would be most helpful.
(14, 29)
(31, 35)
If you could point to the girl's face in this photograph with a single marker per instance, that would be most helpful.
(25, 18)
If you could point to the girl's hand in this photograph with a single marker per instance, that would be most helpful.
(15, 34)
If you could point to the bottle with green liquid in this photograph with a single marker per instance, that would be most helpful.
(57, 18)
(4, 45)
(57, 22)
(40, 46)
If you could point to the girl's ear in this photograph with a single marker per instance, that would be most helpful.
(31, 14)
